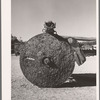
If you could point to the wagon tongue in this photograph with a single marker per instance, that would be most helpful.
(78, 53)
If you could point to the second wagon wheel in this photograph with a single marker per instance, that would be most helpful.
(47, 62)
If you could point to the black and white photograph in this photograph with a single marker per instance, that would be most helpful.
(54, 51)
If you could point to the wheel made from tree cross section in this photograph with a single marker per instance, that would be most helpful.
(45, 61)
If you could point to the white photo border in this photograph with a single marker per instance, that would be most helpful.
(6, 48)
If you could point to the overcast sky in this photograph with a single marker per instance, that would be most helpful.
(72, 17)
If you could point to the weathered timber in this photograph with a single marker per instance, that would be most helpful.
(46, 61)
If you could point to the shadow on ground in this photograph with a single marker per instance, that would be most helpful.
(80, 80)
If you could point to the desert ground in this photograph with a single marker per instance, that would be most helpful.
(82, 87)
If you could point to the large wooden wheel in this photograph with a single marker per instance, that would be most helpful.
(45, 61)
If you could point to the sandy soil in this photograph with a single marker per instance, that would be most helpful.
(84, 87)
